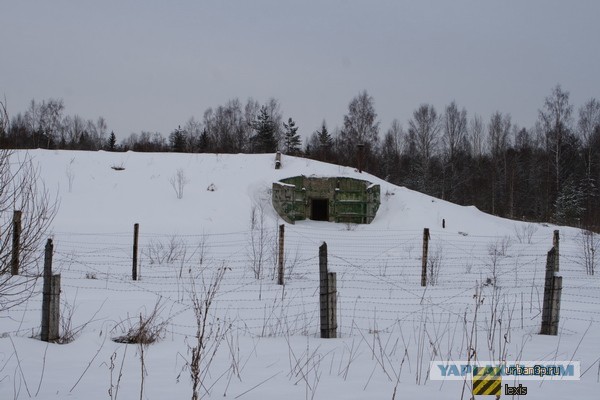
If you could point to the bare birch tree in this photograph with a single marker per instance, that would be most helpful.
(21, 189)
(360, 127)
(424, 131)
(555, 118)
(476, 135)
(589, 127)
(455, 144)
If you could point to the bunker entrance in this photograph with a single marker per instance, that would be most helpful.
(331, 199)
(319, 209)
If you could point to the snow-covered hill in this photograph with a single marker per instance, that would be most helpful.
(390, 327)
(96, 197)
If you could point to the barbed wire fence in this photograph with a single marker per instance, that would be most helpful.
(379, 276)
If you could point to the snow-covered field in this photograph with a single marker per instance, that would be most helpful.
(266, 336)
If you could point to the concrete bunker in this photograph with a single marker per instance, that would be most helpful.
(333, 199)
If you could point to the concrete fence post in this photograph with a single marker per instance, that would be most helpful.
(280, 267)
(327, 297)
(552, 293)
(556, 245)
(16, 243)
(332, 304)
(424, 257)
(134, 267)
(51, 298)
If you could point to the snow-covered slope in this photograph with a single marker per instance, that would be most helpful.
(97, 198)
(389, 327)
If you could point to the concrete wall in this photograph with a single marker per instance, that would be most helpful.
(349, 200)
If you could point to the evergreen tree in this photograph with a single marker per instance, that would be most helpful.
(264, 140)
(569, 204)
(112, 142)
(178, 140)
(204, 141)
(325, 139)
(308, 150)
(325, 143)
(292, 141)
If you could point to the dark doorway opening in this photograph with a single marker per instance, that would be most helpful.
(319, 209)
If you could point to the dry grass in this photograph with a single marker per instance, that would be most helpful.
(146, 329)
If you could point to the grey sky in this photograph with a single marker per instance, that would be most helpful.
(150, 65)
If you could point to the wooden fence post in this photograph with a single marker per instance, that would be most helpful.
(360, 156)
(552, 295)
(134, 269)
(555, 244)
(280, 270)
(50, 299)
(424, 258)
(332, 304)
(556, 295)
(16, 243)
(547, 304)
(323, 289)
(327, 296)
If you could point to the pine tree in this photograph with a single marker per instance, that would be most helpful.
(325, 139)
(178, 140)
(569, 204)
(308, 150)
(204, 142)
(264, 141)
(325, 142)
(292, 141)
(112, 142)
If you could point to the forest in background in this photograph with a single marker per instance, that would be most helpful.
(547, 172)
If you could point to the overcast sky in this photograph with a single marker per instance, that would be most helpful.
(150, 65)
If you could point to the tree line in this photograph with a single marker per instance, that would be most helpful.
(548, 172)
